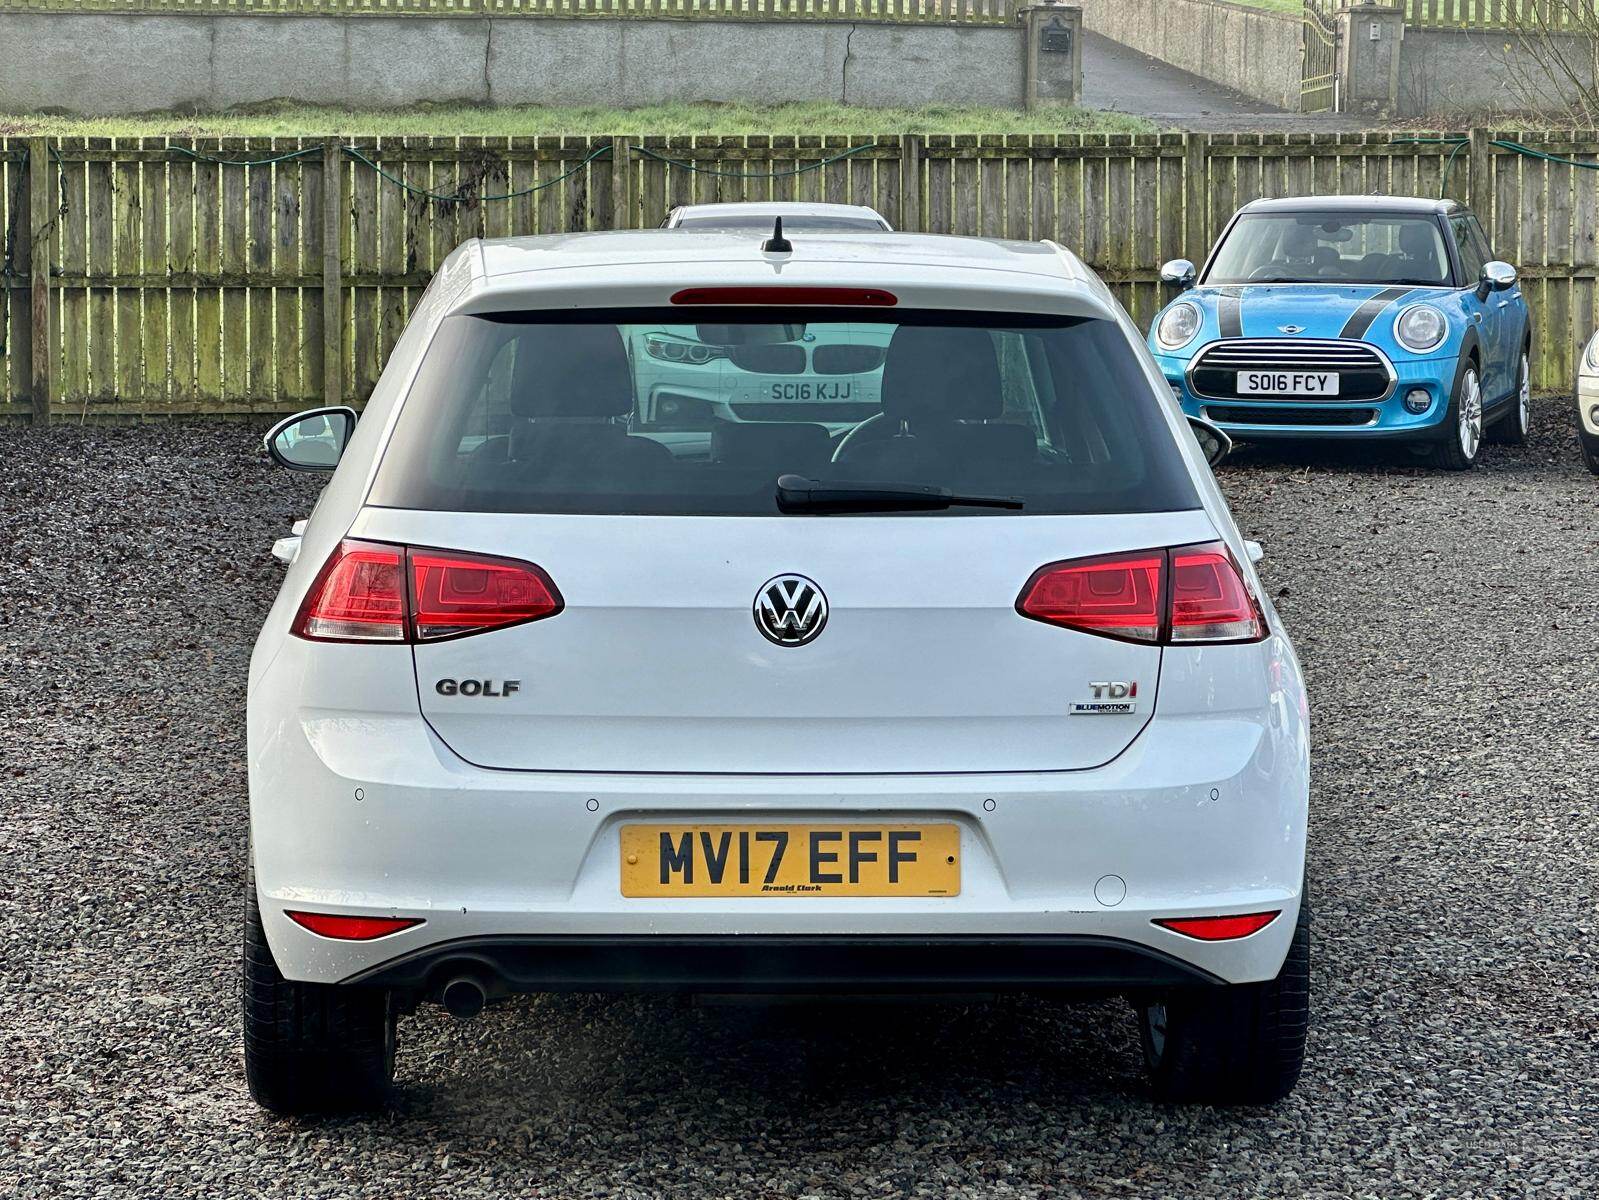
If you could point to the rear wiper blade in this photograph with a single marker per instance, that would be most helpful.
(796, 493)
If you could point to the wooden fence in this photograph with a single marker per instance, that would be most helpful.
(1556, 15)
(146, 277)
(965, 12)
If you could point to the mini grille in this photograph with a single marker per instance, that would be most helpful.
(1270, 354)
(1363, 373)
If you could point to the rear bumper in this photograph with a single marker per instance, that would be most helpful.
(372, 814)
(767, 964)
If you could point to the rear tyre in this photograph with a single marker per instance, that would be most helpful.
(1462, 441)
(1239, 1044)
(1511, 429)
(311, 1047)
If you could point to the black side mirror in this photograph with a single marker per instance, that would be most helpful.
(1179, 272)
(313, 440)
(1213, 443)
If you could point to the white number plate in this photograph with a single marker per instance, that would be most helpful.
(1287, 383)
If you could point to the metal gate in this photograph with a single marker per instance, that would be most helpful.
(1319, 90)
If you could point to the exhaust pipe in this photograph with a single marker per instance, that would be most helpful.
(464, 997)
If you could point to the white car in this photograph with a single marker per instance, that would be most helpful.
(1588, 404)
(977, 692)
(759, 216)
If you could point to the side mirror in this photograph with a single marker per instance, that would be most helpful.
(313, 440)
(1497, 277)
(1213, 443)
(1179, 272)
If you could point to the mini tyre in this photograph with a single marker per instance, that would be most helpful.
(311, 1047)
(1461, 444)
(1512, 428)
(1242, 1043)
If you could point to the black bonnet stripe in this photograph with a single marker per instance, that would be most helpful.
(1362, 318)
(1230, 315)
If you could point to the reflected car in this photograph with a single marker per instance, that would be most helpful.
(1352, 317)
(758, 216)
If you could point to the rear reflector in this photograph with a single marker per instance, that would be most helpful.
(838, 296)
(351, 929)
(1219, 929)
(1187, 594)
(361, 595)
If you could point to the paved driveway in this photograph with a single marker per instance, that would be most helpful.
(1123, 80)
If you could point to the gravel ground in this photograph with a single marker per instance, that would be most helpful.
(1448, 628)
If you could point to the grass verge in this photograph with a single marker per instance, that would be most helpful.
(282, 120)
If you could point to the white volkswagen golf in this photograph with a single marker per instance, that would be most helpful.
(976, 691)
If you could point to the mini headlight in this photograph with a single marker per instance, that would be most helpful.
(1592, 357)
(1421, 328)
(1178, 326)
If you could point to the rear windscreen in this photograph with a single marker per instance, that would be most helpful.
(637, 412)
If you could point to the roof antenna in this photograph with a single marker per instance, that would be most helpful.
(777, 243)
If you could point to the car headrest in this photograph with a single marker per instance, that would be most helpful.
(791, 446)
(1417, 240)
(571, 371)
(942, 374)
(1299, 242)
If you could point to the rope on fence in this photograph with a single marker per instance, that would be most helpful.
(1461, 141)
(460, 197)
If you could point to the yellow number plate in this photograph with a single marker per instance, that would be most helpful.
(791, 860)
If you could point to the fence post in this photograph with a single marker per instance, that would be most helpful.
(333, 208)
(41, 224)
(910, 184)
(1196, 196)
(623, 201)
(1479, 188)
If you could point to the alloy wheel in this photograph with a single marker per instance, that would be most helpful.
(1470, 420)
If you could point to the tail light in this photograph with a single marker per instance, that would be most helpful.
(1182, 595)
(1219, 929)
(373, 592)
(350, 929)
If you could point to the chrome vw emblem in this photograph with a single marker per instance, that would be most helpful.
(790, 610)
(1290, 329)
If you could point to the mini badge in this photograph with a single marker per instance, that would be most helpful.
(1111, 699)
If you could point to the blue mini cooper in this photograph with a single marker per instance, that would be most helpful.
(1351, 317)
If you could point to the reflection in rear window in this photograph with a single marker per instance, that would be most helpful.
(636, 412)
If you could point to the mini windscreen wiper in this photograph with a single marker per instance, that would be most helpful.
(797, 494)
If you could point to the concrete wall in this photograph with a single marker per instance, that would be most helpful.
(1451, 72)
(1250, 50)
(111, 63)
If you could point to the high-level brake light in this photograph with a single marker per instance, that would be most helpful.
(374, 592)
(840, 297)
(1181, 595)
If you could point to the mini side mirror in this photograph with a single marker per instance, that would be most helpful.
(1179, 272)
(313, 440)
(1213, 443)
(1497, 277)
